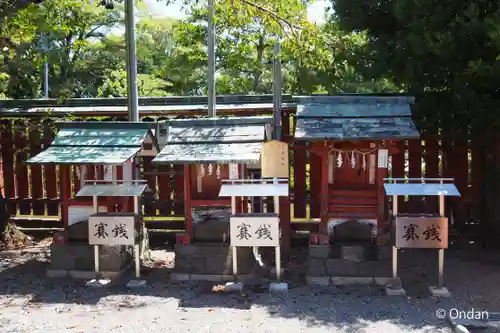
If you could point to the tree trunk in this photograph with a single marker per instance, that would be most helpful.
(10, 235)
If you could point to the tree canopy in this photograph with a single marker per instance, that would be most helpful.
(83, 44)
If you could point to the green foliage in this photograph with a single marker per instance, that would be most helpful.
(85, 48)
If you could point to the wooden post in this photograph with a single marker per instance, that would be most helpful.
(323, 228)
(187, 201)
(380, 173)
(65, 178)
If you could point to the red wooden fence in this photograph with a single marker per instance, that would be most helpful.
(36, 190)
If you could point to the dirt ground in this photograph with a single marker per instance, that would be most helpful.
(31, 302)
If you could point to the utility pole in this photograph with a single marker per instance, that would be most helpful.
(45, 79)
(211, 60)
(277, 82)
(132, 94)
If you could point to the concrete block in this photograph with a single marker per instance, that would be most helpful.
(197, 265)
(231, 287)
(226, 277)
(87, 275)
(179, 277)
(339, 267)
(351, 280)
(319, 251)
(439, 292)
(394, 291)
(184, 250)
(382, 281)
(278, 287)
(56, 273)
(317, 267)
(95, 283)
(206, 277)
(111, 275)
(136, 283)
(355, 253)
(319, 280)
(384, 253)
(374, 268)
(219, 265)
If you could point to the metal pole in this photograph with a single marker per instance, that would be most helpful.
(211, 60)
(235, 251)
(132, 95)
(277, 92)
(46, 80)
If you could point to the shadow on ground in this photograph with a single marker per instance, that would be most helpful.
(23, 283)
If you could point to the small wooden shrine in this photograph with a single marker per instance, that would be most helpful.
(96, 151)
(213, 149)
(355, 135)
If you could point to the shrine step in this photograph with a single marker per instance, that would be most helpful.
(353, 215)
(366, 201)
(356, 193)
(355, 209)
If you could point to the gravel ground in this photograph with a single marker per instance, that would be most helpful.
(32, 303)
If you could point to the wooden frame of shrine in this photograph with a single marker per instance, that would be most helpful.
(354, 135)
(213, 149)
(104, 152)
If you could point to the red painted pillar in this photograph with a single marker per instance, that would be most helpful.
(187, 201)
(323, 228)
(380, 174)
(65, 178)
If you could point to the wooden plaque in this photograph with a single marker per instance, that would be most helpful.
(423, 233)
(274, 159)
(255, 231)
(113, 229)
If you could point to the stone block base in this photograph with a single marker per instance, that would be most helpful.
(439, 292)
(211, 259)
(395, 292)
(85, 275)
(80, 257)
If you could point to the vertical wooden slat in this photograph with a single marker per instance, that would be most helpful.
(285, 130)
(8, 164)
(285, 224)
(380, 174)
(476, 174)
(50, 173)
(179, 190)
(151, 181)
(187, 199)
(299, 182)
(315, 184)
(36, 171)
(65, 190)
(398, 171)
(75, 179)
(461, 181)
(431, 171)
(164, 179)
(323, 228)
(414, 171)
(22, 178)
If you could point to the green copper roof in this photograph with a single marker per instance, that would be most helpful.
(85, 155)
(205, 153)
(214, 140)
(95, 143)
(355, 118)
